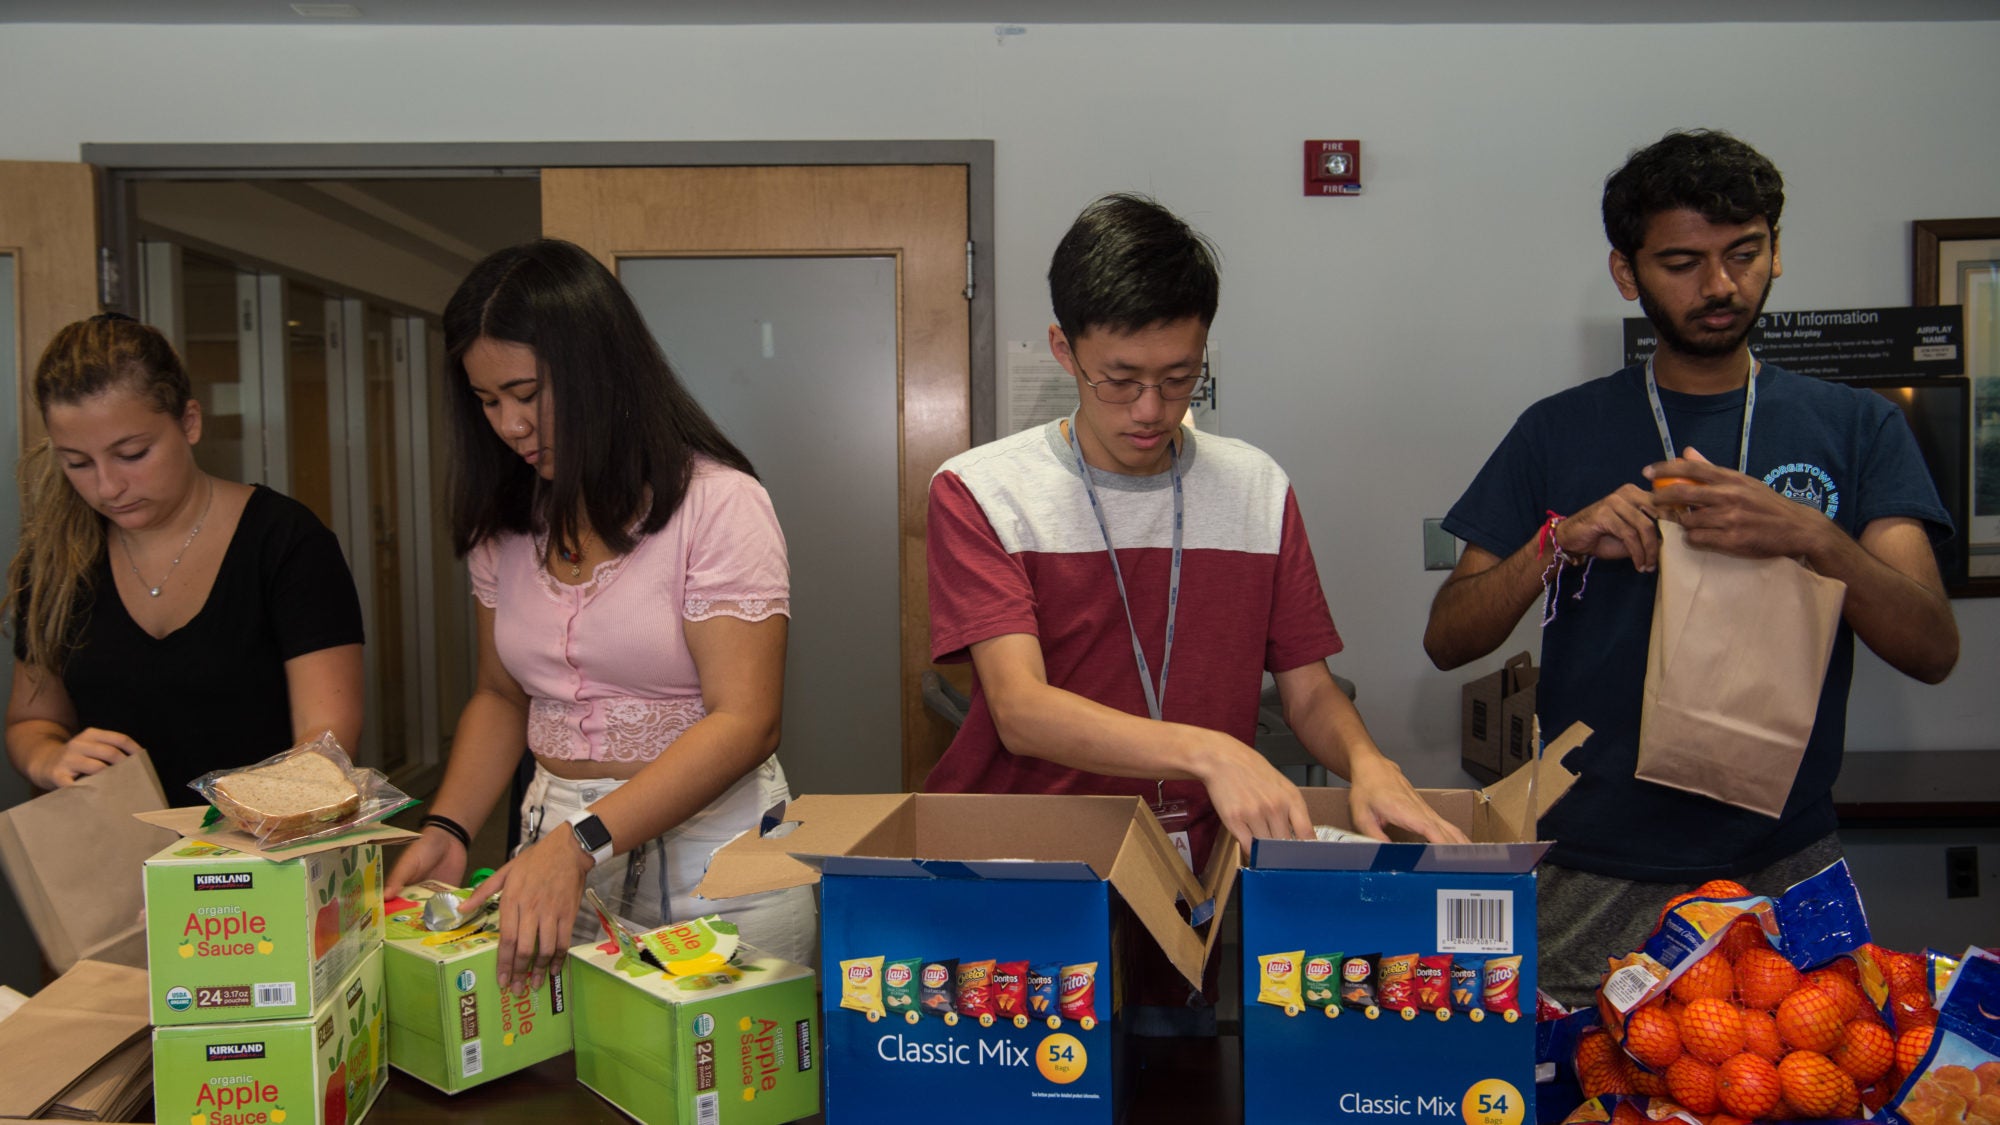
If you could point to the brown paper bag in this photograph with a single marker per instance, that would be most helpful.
(1739, 651)
(75, 858)
(63, 1031)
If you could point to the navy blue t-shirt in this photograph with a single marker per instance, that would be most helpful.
(1844, 451)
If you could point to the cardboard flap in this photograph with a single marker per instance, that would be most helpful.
(820, 826)
(186, 822)
(1514, 804)
(1225, 860)
(1151, 877)
(64, 1030)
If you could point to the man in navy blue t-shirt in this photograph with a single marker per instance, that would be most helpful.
(1773, 464)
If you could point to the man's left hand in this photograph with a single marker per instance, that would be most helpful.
(1724, 510)
(1381, 796)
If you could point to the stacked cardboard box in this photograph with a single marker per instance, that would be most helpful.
(265, 978)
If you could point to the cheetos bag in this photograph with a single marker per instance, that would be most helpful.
(1739, 651)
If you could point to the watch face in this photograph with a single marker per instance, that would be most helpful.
(592, 833)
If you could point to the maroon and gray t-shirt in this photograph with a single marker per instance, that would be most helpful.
(1014, 548)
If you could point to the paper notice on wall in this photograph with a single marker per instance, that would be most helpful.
(1038, 389)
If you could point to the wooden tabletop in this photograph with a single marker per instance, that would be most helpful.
(1176, 1080)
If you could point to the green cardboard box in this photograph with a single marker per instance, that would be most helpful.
(323, 1069)
(734, 1047)
(452, 1026)
(232, 936)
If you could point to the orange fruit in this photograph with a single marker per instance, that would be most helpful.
(1852, 1003)
(1866, 1051)
(1905, 971)
(1712, 1030)
(1718, 888)
(1671, 903)
(1760, 1035)
(1810, 1020)
(1691, 1082)
(1748, 1086)
(1726, 1119)
(1815, 1087)
(1876, 1096)
(1911, 1009)
(1844, 966)
(1743, 935)
(1710, 977)
(1764, 978)
(1594, 1048)
(1628, 1114)
(1642, 1080)
(1652, 1037)
(1910, 1048)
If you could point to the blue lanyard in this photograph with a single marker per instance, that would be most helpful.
(1749, 408)
(1155, 700)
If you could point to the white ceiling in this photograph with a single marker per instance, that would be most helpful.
(1022, 12)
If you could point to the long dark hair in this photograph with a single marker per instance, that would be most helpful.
(62, 536)
(626, 431)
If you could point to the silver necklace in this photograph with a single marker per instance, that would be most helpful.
(132, 560)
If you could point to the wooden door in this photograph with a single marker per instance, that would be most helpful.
(916, 215)
(48, 222)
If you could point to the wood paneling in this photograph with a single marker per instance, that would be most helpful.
(916, 214)
(48, 220)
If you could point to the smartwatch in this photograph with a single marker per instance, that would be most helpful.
(591, 836)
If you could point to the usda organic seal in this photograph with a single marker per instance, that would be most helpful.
(704, 1025)
(179, 999)
(466, 980)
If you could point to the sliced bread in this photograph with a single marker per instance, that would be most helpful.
(283, 800)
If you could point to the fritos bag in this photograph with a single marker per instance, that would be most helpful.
(1739, 650)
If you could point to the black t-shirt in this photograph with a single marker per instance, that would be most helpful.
(212, 694)
(1844, 451)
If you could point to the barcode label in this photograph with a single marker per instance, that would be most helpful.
(707, 1109)
(470, 1061)
(275, 995)
(1475, 922)
(1628, 986)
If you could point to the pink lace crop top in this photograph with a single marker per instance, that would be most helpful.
(605, 664)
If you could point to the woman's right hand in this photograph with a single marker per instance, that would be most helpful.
(435, 854)
(90, 751)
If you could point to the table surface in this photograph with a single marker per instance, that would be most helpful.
(1176, 1080)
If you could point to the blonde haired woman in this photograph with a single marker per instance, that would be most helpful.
(155, 606)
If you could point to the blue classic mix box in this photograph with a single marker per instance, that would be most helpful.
(1395, 983)
(967, 945)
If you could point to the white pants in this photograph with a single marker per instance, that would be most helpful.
(653, 884)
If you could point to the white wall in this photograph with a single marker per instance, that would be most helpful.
(1377, 346)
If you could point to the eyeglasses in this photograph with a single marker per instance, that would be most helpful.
(1120, 392)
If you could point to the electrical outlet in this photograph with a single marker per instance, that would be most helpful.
(1961, 872)
(1440, 547)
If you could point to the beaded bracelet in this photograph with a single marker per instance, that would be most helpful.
(1559, 560)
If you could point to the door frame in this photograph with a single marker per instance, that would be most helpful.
(124, 166)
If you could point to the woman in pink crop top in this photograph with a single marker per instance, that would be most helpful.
(633, 604)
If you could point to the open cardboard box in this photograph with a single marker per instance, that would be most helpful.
(1474, 901)
(973, 877)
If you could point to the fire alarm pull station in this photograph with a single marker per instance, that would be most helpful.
(1333, 167)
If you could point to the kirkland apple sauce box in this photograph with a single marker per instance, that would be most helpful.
(233, 936)
(323, 1069)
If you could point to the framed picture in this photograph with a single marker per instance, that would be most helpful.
(1957, 262)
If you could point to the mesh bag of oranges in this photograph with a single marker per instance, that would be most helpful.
(1750, 1008)
(1950, 1068)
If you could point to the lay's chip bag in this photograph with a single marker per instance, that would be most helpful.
(861, 987)
(900, 987)
(1322, 982)
(1278, 980)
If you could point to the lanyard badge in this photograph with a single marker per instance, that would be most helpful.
(1174, 815)
(1660, 414)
